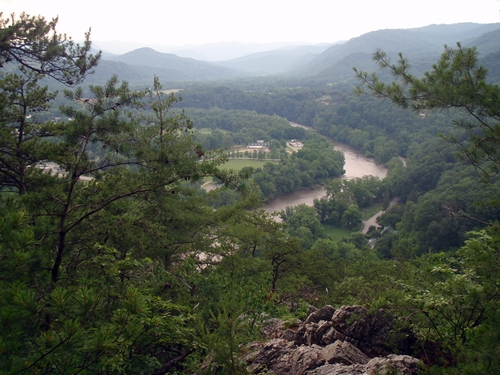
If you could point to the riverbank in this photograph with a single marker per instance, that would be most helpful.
(356, 165)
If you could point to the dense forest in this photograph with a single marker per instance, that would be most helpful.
(115, 259)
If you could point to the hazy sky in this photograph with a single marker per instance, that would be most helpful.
(179, 22)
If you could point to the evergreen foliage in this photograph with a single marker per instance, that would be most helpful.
(456, 83)
(113, 260)
(33, 43)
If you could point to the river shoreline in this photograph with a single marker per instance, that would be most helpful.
(356, 165)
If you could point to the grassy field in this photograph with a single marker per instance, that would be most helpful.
(239, 164)
(209, 131)
(369, 211)
(336, 233)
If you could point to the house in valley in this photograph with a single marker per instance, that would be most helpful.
(258, 145)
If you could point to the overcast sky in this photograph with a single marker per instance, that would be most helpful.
(180, 22)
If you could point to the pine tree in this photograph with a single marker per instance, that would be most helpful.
(457, 83)
(34, 43)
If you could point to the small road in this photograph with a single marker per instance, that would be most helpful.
(373, 220)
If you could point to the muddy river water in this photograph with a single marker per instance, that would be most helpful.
(356, 165)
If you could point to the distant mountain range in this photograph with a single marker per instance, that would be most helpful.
(277, 61)
(139, 66)
(330, 62)
(207, 52)
(421, 45)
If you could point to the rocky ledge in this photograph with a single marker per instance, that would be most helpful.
(349, 340)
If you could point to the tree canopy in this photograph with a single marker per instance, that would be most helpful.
(457, 83)
(34, 43)
(113, 259)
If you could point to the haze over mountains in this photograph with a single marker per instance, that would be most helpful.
(333, 62)
(208, 52)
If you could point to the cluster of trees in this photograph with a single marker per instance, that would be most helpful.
(111, 259)
(376, 128)
(295, 104)
(340, 206)
(240, 127)
(315, 163)
(447, 193)
(438, 193)
(384, 131)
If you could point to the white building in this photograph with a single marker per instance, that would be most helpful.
(259, 144)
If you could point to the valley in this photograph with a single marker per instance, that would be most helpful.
(119, 255)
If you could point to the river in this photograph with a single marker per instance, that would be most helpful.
(356, 165)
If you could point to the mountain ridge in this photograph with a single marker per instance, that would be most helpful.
(422, 45)
(332, 62)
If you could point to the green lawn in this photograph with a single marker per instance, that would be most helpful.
(209, 131)
(336, 233)
(369, 211)
(239, 164)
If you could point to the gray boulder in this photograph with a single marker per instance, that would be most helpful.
(347, 341)
(406, 365)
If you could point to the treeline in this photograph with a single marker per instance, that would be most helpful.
(374, 127)
(380, 130)
(315, 163)
(442, 198)
(116, 261)
(343, 199)
(240, 127)
(294, 104)
(340, 207)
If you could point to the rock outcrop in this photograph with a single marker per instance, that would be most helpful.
(349, 340)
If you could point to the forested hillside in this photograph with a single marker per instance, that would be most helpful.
(423, 45)
(319, 62)
(115, 259)
(138, 65)
(275, 61)
(443, 198)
